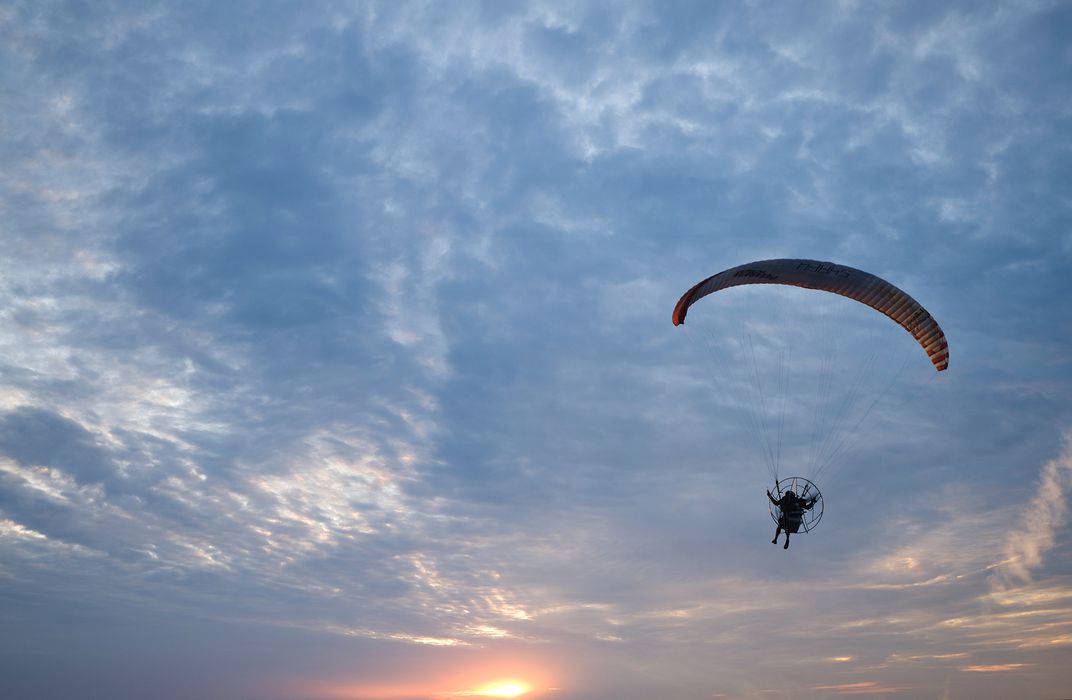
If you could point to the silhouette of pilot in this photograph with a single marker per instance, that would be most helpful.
(792, 507)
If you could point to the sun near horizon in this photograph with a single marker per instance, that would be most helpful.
(498, 689)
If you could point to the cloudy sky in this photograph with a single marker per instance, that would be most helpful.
(336, 359)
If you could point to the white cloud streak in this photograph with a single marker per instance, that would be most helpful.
(1040, 522)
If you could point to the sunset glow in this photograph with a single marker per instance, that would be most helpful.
(498, 689)
(444, 689)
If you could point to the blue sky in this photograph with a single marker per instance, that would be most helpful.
(336, 357)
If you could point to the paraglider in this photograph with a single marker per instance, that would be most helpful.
(797, 504)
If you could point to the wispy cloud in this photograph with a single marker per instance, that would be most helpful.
(862, 688)
(1041, 521)
(995, 668)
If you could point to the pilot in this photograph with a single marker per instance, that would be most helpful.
(791, 508)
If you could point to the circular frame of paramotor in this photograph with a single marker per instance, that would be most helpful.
(806, 490)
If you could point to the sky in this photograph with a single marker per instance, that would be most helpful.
(336, 358)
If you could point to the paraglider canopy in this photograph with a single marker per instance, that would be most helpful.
(837, 279)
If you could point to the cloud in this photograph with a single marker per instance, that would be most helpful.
(37, 437)
(1040, 522)
(861, 688)
(995, 668)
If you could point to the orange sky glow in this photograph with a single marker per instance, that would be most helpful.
(517, 682)
(498, 689)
